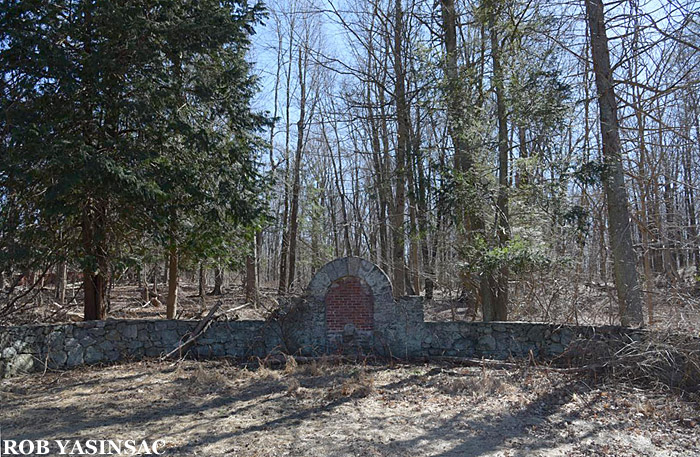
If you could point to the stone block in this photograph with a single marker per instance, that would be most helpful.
(87, 340)
(217, 350)
(338, 268)
(319, 285)
(152, 352)
(9, 353)
(170, 338)
(93, 354)
(57, 359)
(75, 356)
(555, 349)
(55, 340)
(71, 343)
(23, 363)
(486, 343)
(112, 356)
(535, 334)
(354, 264)
(106, 345)
(130, 331)
(202, 351)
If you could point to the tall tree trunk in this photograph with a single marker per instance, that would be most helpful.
(96, 273)
(643, 220)
(690, 199)
(413, 198)
(339, 180)
(472, 222)
(381, 186)
(521, 177)
(258, 255)
(502, 222)
(399, 276)
(284, 250)
(296, 186)
(624, 259)
(643, 209)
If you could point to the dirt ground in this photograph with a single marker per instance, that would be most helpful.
(320, 409)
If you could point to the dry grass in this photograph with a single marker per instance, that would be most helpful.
(659, 361)
(485, 383)
(215, 408)
(361, 384)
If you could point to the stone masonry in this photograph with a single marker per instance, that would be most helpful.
(348, 307)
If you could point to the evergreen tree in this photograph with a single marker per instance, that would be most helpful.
(121, 120)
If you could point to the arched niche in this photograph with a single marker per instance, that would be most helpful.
(351, 294)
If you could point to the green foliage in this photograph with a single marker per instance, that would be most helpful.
(128, 118)
(518, 255)
(590, 173)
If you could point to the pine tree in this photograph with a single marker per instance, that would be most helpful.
(126, 119)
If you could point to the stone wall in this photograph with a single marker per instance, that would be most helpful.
(401, 334)
(301, 327)
(503, 340)
(34, 348)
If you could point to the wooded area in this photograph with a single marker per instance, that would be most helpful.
(517, 160)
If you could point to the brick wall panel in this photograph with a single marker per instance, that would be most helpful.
(349, 301)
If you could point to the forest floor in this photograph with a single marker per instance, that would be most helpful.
(322, 409)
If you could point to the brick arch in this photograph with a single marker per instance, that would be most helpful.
(347, 291)
(368, 272)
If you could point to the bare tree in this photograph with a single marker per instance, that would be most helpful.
(624, 259)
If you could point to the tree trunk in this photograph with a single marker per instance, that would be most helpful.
(251, 278)
(143, 284)
(218, 281)
(202, 280)
(173, 280)
(258, 255)
(296, 186)
(284, 250)
(643, 217)
(502, 222)
(156, 272)
(61, 280)
(690, 201)
(96, 274)
(472, 222)
(624, 259)
(397, 219)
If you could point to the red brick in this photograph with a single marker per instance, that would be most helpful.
(349, 300)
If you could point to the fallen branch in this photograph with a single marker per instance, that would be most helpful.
(282, 359)
(245, 305)
(498, 364)
(196, 333)
(469, 362)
